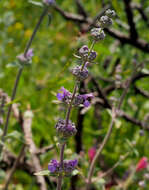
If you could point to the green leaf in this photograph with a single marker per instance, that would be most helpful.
(1, 132)
(15, 134)
(145, 71)
(100, 184)
(133, 150)
(13, 64)
(43, 172)
(2, 174)
(39, 4)
(75, 172)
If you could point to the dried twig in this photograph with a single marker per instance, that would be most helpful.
(28, 115)
(13, 169)
(106, 138)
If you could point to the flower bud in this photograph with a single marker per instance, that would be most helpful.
(110, 13)
(105, 22)
(92, 55)
(91, 153)
(142, 164)
(80, 74)
(98, 34)
(83, 51)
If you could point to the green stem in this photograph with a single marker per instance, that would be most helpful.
(18, 78)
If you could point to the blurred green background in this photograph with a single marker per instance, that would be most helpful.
(54, 47)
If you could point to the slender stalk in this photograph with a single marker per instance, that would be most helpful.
(115, 165)
(91, 169)
(59, 181)
(70, 106)
(106, 138)
(19, 76)
(60, 177)
(36, 29)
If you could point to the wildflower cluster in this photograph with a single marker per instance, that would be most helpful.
(79, 99)
(68, 166)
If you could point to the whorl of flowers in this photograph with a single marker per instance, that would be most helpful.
(65, 130)
(55, 167)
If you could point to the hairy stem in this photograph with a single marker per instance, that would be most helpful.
(59, 182)
(60, 177)
(18, 78)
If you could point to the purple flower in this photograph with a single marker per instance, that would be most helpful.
(83, 99)
(64, 95)
(70, 165)
(49, 2)
(29, 54)
(53, 166)
(27, 57)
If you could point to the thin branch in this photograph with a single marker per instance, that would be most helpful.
(13, 169)
(81, 9)
(130, 16)
(124, 39)
(106, 138)
(141, 92)
(43, 150)
(109, 171)
(100, 93)
(135, 121)
(69, 16)
(139, 8)
(32, 148)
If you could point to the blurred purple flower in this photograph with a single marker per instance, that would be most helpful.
(53, 166)
(86, 98)
(49, 2)
(64, 95)
(68, 166)
(27, 57)
(83, 99)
